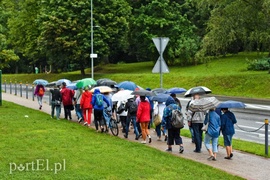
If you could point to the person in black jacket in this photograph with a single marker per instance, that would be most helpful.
(56, 102)
(131, 108)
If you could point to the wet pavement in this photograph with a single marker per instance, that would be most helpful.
(242, 164)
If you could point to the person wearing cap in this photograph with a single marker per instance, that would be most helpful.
(67, 97)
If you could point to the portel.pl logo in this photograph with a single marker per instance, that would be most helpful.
(38, 165)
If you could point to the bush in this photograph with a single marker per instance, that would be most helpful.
(259, 64)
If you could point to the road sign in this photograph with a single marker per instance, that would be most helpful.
(93, 55)
(160, 66)
(164, 67)
(161, 43)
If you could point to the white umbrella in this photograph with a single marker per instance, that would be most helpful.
(122, 95)
(204, 104)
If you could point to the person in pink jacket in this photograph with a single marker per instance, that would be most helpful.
(39, 92)
(143, 117)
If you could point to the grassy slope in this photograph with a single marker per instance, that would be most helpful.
(225, 76)
(88, 155)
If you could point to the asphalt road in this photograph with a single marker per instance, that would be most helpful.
(249, 120)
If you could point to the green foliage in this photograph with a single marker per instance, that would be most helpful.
(88, 155)
(236, 25)
(259, 64)
(163, 19)
(7, 55)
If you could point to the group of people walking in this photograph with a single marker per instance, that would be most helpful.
(138, 111)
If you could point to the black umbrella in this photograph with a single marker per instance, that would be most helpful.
(159, 91)
(197, 90)
(106, 82)
(143, 92)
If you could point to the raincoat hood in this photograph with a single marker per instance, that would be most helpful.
(170, 101)
(97, 91)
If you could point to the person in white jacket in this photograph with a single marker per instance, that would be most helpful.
(158, 111)
(122, 114)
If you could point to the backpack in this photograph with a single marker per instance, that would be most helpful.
(133, 108)
(177, 120)
(40, 91)
(99, 100)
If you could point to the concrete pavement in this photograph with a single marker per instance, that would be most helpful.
(243, 164)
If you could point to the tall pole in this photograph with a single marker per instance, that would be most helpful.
(160, 60)
(0, 87)
(92, 43)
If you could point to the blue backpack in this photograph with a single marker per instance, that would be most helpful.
(99, 100)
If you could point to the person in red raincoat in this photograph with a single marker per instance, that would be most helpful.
(143, 117)
(67, 96)
(86, 105)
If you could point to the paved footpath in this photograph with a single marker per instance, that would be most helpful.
(243, 164)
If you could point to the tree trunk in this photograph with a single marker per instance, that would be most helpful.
(82, 71)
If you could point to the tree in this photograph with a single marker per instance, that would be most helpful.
(242, 24)
(7, 55)
(66, 30)
(163, 19)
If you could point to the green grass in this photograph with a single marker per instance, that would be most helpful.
(245, 146)
(224, 76)
(88, 155)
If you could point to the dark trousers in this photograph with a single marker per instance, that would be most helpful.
(123, 120)
(98, 115)
(67, 111)
(174, 137)
(197, 129)
(138, 127)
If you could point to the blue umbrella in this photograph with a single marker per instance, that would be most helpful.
(231, 104)
(127, 85)
(72, 86)
(160, 97)
(60, 81)
(176, 90)
(40, 82)
(159, 90)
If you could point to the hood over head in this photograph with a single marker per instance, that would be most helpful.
(170, 101)
(97, 91)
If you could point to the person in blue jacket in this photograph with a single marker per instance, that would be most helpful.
(97, 101)
(227, 127)
(212, 133)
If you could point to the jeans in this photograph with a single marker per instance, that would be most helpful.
(78, 111)
(191, 133)
(133, 120)
(138, 127)
(39, 99)
(207, 144)
(158, 130)
(151, 119)
(107, 116)
(58, 110)
(197, 128)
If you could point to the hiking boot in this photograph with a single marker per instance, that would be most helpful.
(125, 136)
(227, 158)
(137, 138)
(169, 150)
(231, 155)
(181, 149)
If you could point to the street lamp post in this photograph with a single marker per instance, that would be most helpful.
(92, 43)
